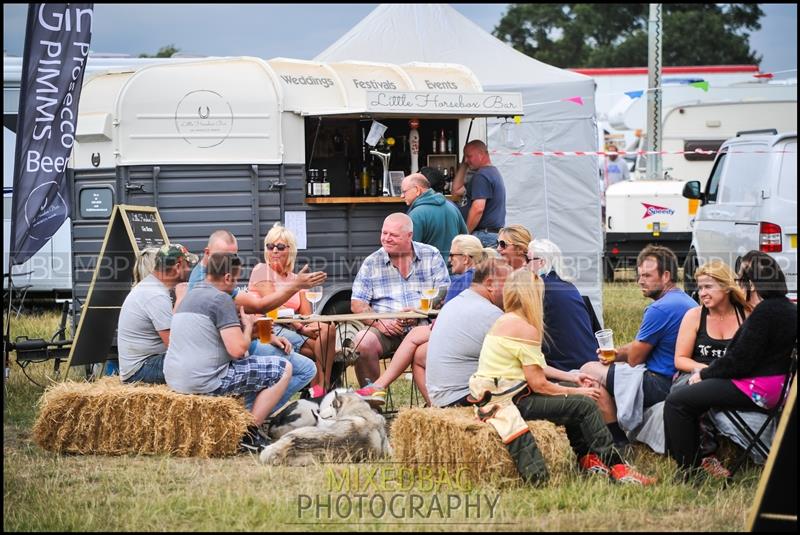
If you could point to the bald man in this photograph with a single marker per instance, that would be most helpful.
(436, 220)
(484, 197)
(391, 280)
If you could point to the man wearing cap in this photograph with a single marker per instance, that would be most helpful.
(484, 196)
(146, 315)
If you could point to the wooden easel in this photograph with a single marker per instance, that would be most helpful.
(130, 229)
(775, 505)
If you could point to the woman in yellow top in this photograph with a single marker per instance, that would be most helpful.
(512, 369)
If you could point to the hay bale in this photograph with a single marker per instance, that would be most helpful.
(455, 438)
(111, 418)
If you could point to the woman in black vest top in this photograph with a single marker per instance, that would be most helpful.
(704, 336)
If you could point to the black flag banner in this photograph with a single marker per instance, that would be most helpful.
(57, 41)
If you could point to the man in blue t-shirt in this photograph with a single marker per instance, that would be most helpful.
(484, 197)
(654, 345)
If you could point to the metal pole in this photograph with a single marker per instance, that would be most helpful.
(654, 35)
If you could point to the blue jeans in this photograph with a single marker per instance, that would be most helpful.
(303, 371)
(152, 371)
(488, 239)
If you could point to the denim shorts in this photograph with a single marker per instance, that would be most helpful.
(655, 386)
(297, 340)
(251, 374)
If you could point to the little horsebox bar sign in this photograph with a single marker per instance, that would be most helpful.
(419, 102)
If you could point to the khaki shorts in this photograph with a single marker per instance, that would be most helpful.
(389, 344)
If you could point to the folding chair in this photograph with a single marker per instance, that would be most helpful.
(14, 294)
(754, 437)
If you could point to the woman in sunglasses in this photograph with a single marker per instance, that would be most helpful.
(512, 244)
(751, 374)
(314, 340)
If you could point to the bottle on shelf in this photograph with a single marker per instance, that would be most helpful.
(365, 180)
(446, 186)
(434, 143)
(311, 189)
(450, 142)
(442, 142)
(325, 186)
(356, 181)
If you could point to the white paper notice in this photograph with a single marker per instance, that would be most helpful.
(375, 132)
(296, 222)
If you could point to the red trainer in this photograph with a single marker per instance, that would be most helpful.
(622, 473)
(714, 468)
(591, 463)
(316, 392)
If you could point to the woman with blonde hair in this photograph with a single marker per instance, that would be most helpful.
(704, 335)
(315, 340)
(512, 369)
(512, 244)
(465, 251)
(707, 329)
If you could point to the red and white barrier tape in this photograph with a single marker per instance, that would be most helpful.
(562, 153)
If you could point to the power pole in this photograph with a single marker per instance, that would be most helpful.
(654, 35)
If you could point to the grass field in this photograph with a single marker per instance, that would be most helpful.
(45, 491)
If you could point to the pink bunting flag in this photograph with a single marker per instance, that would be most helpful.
(576, 100)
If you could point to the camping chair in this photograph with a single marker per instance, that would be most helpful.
(14, 294)
(754, 437)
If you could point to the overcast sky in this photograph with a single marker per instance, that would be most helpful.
(303, 30)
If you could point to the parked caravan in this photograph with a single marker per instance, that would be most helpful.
(240, 143)
(748, 203)
(642, 211)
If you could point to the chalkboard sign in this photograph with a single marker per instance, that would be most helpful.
(130, 229)
(775, 505)
(145, 227)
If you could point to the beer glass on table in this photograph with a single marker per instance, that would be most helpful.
(428, 294)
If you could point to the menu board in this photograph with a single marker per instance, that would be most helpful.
(130, 229)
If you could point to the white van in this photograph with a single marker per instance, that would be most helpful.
(749, 202)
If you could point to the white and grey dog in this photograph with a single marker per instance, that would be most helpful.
(347, 429)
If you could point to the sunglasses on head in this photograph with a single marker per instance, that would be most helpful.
(278, 246)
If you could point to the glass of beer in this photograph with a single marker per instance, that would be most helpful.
(425, 304)
(264, 330)
(273, 314)
(428, 295)
(605, 339)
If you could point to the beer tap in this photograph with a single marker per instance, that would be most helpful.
(388, 188)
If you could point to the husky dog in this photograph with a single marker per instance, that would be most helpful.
(297, 414)
(348, 430)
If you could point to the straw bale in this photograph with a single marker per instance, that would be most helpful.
(454, 438)
(111, 418)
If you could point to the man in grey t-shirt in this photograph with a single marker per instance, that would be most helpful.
(457, 337)
(146, 315)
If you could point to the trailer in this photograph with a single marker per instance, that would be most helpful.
(240, 143)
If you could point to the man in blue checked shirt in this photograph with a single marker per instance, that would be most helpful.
(391, 280)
